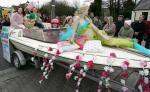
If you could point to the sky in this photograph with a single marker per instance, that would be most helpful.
(8, 3)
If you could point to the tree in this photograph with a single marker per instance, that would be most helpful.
(61, 8)
(128, 6)
(96, 7)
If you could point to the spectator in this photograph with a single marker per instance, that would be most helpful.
(97, 22)
(126, 31)
(105, 21)
(110, 27)
(140, 28)
(147, 45)
(119, 24)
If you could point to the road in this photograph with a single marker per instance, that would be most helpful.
(26, 80)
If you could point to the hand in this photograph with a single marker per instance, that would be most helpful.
(136, 33)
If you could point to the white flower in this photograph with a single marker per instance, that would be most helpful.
(76, 77)
(100, 82)
(146, 72)
(84, 74)
(123, 81)
(141, 73)
(46, 76)
(32, 59)
(46, 55)
(78, 83)
(146, 80)
(73, 68)
(85, 67)
(107, 79)
(42, 68)
(50, 60)
(106, 68)
(81, 71)
(44, 73)
(111, 70)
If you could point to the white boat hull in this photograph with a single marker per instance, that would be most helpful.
(29, 46)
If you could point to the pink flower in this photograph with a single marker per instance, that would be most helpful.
(78, 57)
(124, 74)
(104, 74)
(79, 75)
(77, 65)
(53, 58)
(90, 64)
(113, 54)
(50, 49)
(141, 81)
(58, 52)
(143, 64)
(146, 88)
(67, 77)
(126, 63)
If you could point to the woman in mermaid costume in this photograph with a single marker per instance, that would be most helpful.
(89, 29)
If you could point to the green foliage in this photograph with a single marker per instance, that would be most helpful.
(60, 9)
(96, 7)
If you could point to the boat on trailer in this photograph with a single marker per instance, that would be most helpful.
(22, 44)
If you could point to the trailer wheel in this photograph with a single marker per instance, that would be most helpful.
(16, 61)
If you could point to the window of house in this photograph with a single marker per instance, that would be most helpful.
(145, 15)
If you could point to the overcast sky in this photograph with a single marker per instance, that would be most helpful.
(8, 3)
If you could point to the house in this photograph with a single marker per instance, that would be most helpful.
(142, 8)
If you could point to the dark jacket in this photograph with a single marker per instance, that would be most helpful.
(119, 25)
(141, 28)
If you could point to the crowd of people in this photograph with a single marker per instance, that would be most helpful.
(139, 30)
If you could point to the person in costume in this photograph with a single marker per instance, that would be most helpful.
(35, 17)
(16, 20)
(126, 31)
(32, 18)
(67, 35)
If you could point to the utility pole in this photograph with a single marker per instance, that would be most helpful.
(53, 10)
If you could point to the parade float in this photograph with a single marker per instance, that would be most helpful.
(88, 50)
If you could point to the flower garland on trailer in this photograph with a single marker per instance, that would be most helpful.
(105, 75)
(143, 82)
(82, 73)
(72, 67)
(47, 67)
(79, 77)
(124, 75)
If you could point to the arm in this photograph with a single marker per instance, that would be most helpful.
(131, 33)
(112, 29)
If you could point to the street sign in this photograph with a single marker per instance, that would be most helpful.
(5, 43)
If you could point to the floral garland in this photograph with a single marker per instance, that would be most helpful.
(82, 73)
(105, 75)
(143, 82)
(47, 67)
(124, 75)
